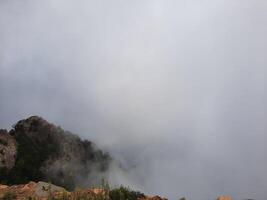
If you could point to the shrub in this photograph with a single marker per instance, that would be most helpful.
(124, 193)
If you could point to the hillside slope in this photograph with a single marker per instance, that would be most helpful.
(37, 150)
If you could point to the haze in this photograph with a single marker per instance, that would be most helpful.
(175, 90)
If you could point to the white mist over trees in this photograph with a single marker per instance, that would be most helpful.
(175, 90)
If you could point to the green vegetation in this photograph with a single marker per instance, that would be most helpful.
(9, 196)
(124, 193)
(121, 193)
(39, 144)
(30, 158)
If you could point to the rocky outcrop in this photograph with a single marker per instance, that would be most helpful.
(8, 150)
(49, 153)
(43, 189)
(40, 190)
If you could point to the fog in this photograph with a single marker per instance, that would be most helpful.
(174, 89)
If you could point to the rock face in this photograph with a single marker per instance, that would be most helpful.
(8, 150)
(40, 190)
(47, 152)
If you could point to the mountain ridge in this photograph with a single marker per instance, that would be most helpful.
(35, 150)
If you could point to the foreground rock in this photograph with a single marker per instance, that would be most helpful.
(45, 191)
(19, 191)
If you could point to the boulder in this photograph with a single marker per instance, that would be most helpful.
(43, 189)
(40, 190)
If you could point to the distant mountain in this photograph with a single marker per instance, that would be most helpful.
(36, 150)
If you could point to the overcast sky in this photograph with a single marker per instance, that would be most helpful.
(175, 89)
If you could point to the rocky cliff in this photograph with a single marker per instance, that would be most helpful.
(37, 150)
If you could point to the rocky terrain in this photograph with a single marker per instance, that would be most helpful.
(45, 191)
(37, 150)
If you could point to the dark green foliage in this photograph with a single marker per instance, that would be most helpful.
(30, 158)
(40, 144)
(183, 198)
(124, 193)
(9, 196)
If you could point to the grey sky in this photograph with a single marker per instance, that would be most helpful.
(175, 88)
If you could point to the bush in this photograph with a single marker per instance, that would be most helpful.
(124, 193)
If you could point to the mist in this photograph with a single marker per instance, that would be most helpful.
(174, 90)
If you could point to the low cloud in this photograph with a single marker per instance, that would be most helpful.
(175, 90)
